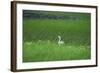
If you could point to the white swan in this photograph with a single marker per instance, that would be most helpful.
(60, 41)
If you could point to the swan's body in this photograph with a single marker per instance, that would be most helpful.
(60, 41)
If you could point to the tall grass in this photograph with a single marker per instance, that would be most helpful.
(51, 51)
(40, 38)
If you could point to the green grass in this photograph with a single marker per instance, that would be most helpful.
(42, 34)
(51, 51)
(49, 29)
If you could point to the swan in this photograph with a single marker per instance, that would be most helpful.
(60, 41)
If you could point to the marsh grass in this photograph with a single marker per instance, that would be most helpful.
(51, 51)
(40, 37)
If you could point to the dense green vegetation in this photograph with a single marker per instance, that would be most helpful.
(40, 41)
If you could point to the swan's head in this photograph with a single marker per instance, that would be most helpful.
(59, 36)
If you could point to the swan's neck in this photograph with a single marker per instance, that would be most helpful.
(59, 38)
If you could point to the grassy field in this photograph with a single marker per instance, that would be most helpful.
(40, 41)
(51, 51)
